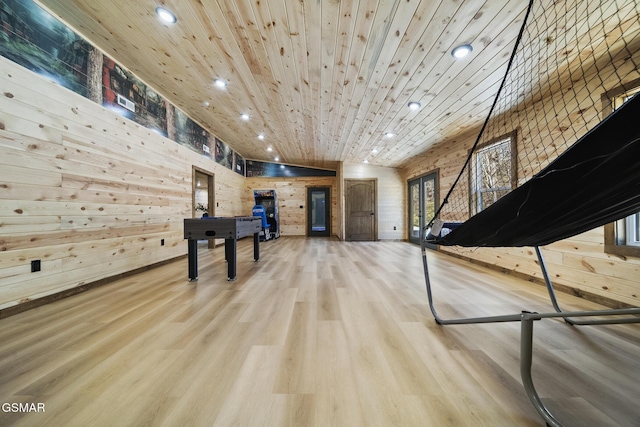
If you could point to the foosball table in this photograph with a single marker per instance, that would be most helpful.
(228, 228)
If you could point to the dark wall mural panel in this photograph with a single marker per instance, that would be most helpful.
(276, 170)
(224, 154)
(238, 162)
(125, 94)
(191, 134)
(35, 39)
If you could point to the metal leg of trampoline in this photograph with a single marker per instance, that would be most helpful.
(462, 321)
(526, 349)
(526, 359)
(556, 306)
(547, 281)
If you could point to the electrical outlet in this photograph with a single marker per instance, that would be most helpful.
(394, 228)
(35, 265)
(161, 242)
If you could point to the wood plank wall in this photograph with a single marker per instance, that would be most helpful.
(87, 192)
(579, 264)
(291, 194)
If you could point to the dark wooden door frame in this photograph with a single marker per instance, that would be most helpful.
(210, 194)
(327, 191)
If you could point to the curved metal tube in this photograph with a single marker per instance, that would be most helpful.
(526, 358)
(441, 321)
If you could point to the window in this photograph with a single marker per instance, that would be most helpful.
(493, 172)
(633, 229)
(623, 236)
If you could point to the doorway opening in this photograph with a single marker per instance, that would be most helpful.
(319, 211)
(203, 198)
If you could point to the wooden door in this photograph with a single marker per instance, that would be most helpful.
(360, 201)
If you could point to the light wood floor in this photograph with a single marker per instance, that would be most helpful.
(317, 333)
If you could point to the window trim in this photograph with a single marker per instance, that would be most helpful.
(615, 246)
(513, 138)
(615, 235)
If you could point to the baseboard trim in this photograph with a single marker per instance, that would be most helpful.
(30, 304)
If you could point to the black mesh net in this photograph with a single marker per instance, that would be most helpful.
(574, 63)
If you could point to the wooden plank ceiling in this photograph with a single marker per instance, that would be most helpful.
(323, 80)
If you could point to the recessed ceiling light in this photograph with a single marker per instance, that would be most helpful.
(269, 149)
(389, 134)
(245, 116)
(261, 136)
(461, 51)
(414, 105)
(374, 151)
(205, 103)
(277, 159)
(219, 83)
(366, 161)
(166, 15)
